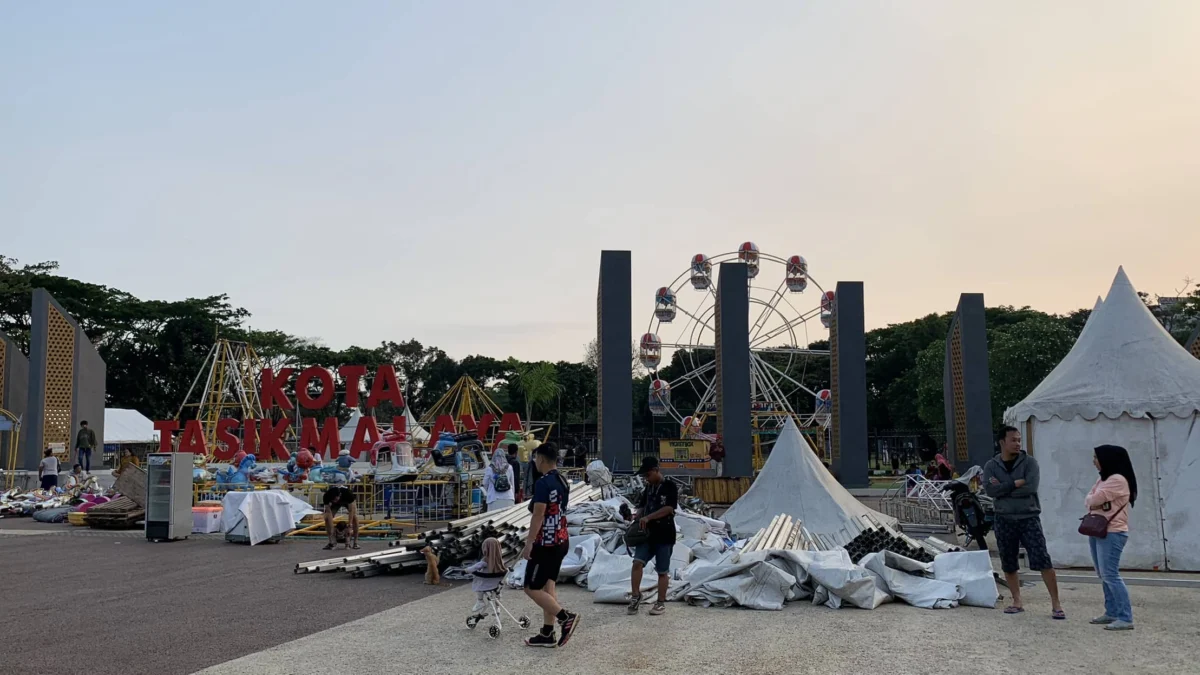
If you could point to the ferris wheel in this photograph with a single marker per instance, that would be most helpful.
(788, 311)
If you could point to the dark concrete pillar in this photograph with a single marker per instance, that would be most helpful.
(848, 380)
(66, 383)
(733, 368)
(965, 385)
(614, 376)
(14, 394)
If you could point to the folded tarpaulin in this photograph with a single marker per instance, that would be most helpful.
(267, 513)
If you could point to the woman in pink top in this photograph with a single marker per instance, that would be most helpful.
(1111, 497)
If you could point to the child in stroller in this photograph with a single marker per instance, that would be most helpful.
(969, 514)
(489, 573)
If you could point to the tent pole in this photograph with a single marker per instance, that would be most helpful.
(1162, 526)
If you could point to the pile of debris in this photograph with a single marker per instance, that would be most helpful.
(458, 543)
(126, 511)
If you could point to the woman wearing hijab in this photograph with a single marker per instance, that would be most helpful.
(1111, 498)
(944, 470)
(498, 482)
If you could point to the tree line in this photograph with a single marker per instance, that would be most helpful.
(154, 350)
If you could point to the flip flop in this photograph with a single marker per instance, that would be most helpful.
(1013, 610)
(1059, 615)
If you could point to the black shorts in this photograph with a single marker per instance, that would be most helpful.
(544, 564)
(1027, 532)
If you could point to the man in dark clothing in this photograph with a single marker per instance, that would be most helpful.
(340, 497)
(511, 451)
(545, 547)
(85, 440)
(716, 456)
(656, 515)
(1011, 480)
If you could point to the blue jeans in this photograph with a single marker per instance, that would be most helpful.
(660, 552)
(85, 458)
(1106, 556)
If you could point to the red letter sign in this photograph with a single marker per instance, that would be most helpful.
(302, 381)
(365, 436)
(444, 424)
(326, 442)
(352, 375)
(271, 389)
(271, 442)
(193, 438)
(385, 388)
(165, 428)
(225, 426)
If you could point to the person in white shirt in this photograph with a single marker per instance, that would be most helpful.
(48, 470)
(498, 481)
(76, 477)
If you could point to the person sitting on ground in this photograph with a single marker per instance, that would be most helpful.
(48, 470)
(339, 497)
(546, 544)
(656, 515)
(76, 477)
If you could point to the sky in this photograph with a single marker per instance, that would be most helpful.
(450, 171)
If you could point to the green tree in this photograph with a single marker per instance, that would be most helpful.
(1021, 355)
(537, 382)
(929, 371)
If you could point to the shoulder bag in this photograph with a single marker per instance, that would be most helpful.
(1096, 525)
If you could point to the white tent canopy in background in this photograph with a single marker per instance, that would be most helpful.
(346, 434)
(1126, 382)
(793, 481)
(127, 426)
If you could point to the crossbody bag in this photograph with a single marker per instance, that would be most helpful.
(1096, 525)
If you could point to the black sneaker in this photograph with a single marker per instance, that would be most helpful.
(540, 640)
(634, 603)
(328, 547)
(568, 626)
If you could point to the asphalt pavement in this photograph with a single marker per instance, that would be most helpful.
(86, 601)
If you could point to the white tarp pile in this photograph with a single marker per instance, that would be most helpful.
(261, 514)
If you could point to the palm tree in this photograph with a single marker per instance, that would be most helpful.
(538, 383)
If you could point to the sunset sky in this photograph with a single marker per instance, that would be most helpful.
(450, 171)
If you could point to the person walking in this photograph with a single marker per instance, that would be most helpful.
(515, 463)
(656, 515)
(48, 470)
(1011, 480)
(1110, 498)
(546, 544)
(85, 440)
(716, 456)
(498, 483)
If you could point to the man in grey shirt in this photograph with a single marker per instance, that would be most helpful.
(1011, 480)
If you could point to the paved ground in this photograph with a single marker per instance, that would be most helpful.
(428, 636)
(119, 604)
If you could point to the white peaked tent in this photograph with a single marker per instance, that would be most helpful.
(346, 434)
(1126, 382)
(793, 481)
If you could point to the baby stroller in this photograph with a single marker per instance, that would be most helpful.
(492, 598)
(969, 514)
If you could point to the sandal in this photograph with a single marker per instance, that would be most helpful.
(327, 547)
(1013, 609)
(1058, 615)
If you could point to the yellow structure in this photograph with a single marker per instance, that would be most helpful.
(229, 374)
(10, 449)
(467, 398)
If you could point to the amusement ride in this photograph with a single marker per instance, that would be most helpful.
(682, 334)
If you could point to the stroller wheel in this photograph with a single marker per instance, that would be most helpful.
(523, 622)
(472, 621)
(494, 631)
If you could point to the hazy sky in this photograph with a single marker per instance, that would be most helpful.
(450, 171)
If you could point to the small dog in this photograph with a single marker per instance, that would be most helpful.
(432, 576)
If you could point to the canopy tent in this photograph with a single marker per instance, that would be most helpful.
(419, 435)
(793, 481)
(127, 426)
(1125, 382)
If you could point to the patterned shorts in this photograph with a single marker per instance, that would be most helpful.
(1026, 532)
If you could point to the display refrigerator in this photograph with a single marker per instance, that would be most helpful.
(168, 495)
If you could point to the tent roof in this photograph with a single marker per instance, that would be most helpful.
(128, 426)
(793, 481)
(1124, 363)
(346, 434)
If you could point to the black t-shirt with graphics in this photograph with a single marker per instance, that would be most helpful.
(662, 530)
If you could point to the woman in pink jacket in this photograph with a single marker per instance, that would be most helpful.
(1111, 498)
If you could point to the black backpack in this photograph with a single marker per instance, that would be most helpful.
(500, 482)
